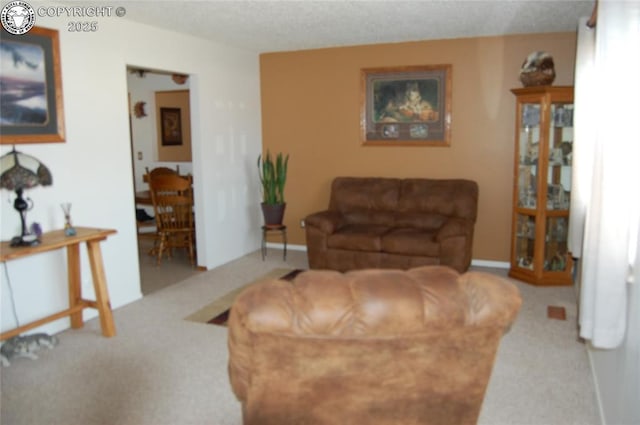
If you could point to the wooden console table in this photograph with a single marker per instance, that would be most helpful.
(57, 240)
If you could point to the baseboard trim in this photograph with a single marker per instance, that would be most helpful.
(490, 263)
(478, 263)
(594, 375)
(289, 247)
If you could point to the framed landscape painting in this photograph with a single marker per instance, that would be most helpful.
(31, 108)
(406, 106)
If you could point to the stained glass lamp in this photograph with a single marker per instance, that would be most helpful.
(20, 171)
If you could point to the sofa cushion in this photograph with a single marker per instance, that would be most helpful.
(357, 193)
(370, 217)
(411, 241)
(358, 237)
(452, 198)
(420, 220)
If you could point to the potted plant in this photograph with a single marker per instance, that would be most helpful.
(273, 176)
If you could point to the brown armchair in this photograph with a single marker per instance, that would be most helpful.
(368, 346)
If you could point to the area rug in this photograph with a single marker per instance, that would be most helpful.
(217, 312)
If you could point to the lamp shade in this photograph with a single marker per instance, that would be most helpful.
(22, 171)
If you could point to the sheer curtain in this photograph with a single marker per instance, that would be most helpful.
(605, 204)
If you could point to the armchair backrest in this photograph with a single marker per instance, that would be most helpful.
(368, 346)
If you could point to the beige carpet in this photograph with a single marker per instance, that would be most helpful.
(163, 370)
(222, 304)
(154, 277)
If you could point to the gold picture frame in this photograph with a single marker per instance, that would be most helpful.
(406, 106)
(32, 109)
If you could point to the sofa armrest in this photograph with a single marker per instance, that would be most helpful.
(454, 227)
(456, 240)
(326, 221)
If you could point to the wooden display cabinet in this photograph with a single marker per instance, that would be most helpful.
(542, 186)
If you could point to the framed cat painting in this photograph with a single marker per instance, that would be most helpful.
(406, 106)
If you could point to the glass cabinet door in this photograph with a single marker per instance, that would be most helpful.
(542, 185)
(560, 147)
(529, 144)
(560, 153)
(555, 244)
(525, 240)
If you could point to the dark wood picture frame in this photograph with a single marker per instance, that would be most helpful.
(171, 126)
(31, 102)
(406, 106)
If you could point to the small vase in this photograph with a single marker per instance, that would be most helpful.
(69, 230)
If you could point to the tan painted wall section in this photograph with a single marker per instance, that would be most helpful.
(311, 109)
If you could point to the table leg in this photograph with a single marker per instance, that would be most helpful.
(75, 286)
(263, 246)
(100, 286)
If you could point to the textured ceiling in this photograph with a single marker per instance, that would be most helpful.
(269, 26)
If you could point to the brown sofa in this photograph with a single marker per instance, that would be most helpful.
(377, 222)
(368, 347)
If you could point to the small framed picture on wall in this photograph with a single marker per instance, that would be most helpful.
(171, 126)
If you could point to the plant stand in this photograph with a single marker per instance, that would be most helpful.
(274, 228)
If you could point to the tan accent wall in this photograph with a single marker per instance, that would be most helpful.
(174, 99)
(311, 110)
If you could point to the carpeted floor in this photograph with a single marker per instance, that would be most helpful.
(163, 370)
(154, 277)
(217, 311)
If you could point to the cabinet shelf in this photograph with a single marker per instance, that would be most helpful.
(542, 189)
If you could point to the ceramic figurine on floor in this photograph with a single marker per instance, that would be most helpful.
(25, 346)
(69, 230)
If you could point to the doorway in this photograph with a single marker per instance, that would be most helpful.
(150, 94)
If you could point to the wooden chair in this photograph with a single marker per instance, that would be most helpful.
(159, 171)
(172, 199)
(144, 226)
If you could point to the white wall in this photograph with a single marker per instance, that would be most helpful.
(93, 169)
(617, 371)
